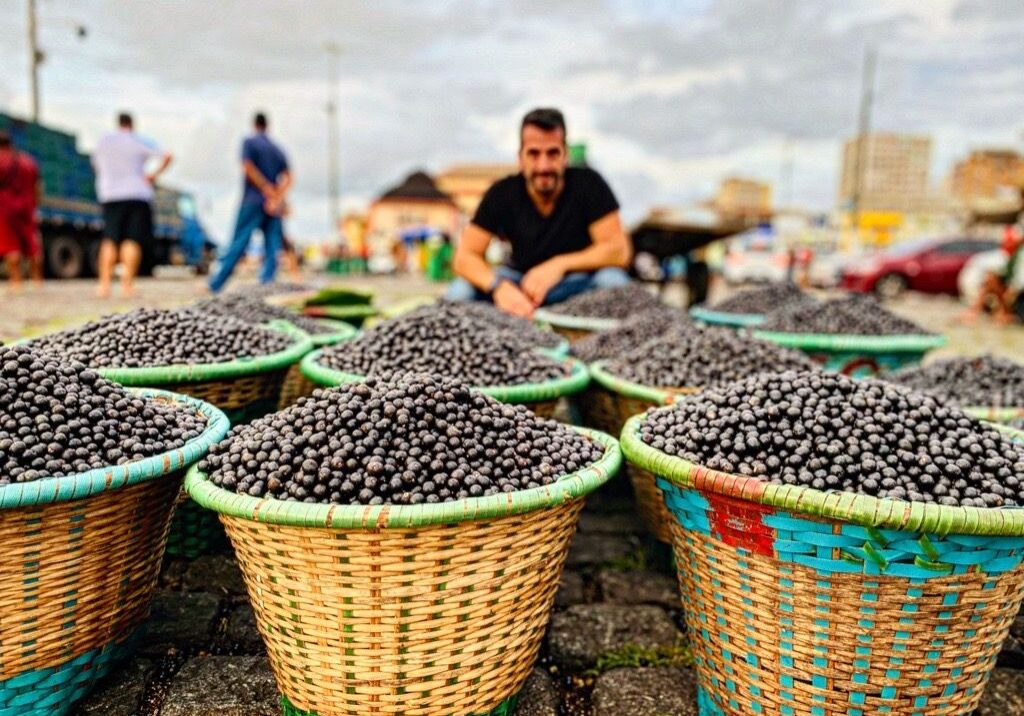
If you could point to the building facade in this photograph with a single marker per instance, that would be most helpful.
(893, 170)
(988, 174)
(467, 183)
(743, 199)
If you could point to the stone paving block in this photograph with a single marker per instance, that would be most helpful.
(223, 686)
(539, 696)
(570, 590)
(1012, 653)
(179, 621)
(580, 634)
(639, 587)
(1004, 695)
(217, 573)
(597, 549)
(241, 635)
(120, 693)
(663, 691)
(615, 523)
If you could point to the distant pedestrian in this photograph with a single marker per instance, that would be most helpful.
(126, 193)
(19, 197)
(264, 200)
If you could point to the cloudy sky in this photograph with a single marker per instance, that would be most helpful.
(670, 95)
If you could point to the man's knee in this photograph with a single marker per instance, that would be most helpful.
(460, 290)
(610, 277)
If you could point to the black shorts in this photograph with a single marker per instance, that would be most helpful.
(131, 219)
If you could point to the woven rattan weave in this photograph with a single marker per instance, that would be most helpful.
(79, 563)
(425, 610)
(808, 603)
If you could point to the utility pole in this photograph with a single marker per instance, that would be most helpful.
(867, 95)
(334, 208)
(35, 57)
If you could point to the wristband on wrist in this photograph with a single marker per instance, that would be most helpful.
(494, 284)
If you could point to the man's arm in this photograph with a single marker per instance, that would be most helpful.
(284, 182)
(470, 264)
(609, 247)
(165, 161)
(256, 177)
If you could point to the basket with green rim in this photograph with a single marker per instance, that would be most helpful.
(354, 315)
(296, 385)
(629, 399)
(541, 398)
(722, 318)
(573, 328)
(80, 562)
(418, 610)
(245, 389)
(856, 355)
(806, 602)
(1012, 417)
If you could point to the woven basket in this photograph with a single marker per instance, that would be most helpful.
(857, 356)
(541, 398)
(806, 603)
(573, 328)
(244, 389)
(721, 318)
(423, 610)
(80, 559)
(1012, 417)
(295, 384)
(629, 399)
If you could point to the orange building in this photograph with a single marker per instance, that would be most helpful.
(415, 204)
(988, 173)
(467, 183)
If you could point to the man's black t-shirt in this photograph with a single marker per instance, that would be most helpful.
(508, 211)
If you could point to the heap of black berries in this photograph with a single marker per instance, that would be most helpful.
(482, 316)
(59, 418)
(704, 356)
(982, 381)
(762, 299)
(640, 328)
(618, 302)
(855, 314)
(409, 439)
(444, 341)
(154, 337)
(828, 432)
(252, 309)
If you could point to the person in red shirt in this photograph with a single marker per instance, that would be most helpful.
(19, 196)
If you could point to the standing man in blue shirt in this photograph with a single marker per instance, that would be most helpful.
(267, 181)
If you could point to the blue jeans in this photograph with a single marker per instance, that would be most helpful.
(571, 284)
(251, 216)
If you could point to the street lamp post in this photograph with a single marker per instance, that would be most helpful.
(35, 57)
(334, 209)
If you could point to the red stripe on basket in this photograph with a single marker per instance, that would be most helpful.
(738, 523)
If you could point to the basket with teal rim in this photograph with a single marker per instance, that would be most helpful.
(245, 389)
(805, 603)
(411, 610)
(541, 398)
(722, 318)
(296, 385)
(857, 356)
(80, 560)
(628, 399)
(1012, 417)
(573, 328)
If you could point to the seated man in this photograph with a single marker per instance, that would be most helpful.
(562, 222)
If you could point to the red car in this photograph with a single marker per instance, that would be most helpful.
(930, 266)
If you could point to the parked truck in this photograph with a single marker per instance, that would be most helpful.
(70, 221)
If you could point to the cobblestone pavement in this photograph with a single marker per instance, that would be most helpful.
(616, 645)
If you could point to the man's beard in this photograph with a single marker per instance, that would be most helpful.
(545, 191)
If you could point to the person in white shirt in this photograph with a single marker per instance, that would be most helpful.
(125, 191)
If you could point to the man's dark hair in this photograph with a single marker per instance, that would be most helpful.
(547, 118)
(125, 120)
(5, 139)
(260, 121)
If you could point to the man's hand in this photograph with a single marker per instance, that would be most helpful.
(541, 279)
(510, 299)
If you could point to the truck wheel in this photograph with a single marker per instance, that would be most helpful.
(65, 257)
(92, 257)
